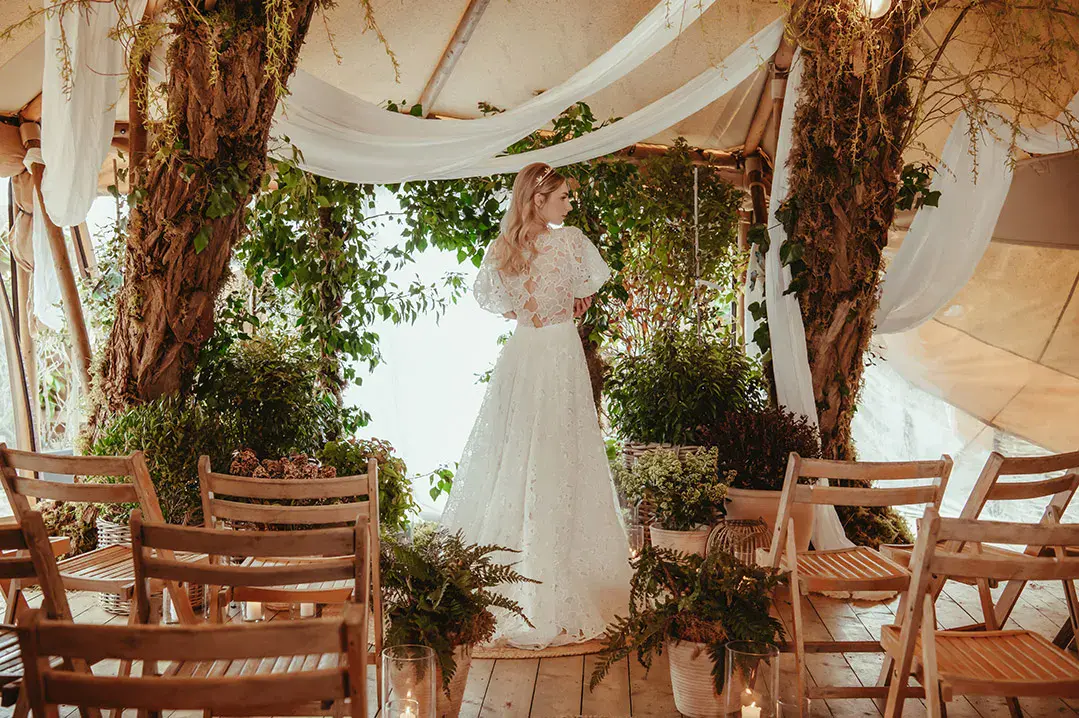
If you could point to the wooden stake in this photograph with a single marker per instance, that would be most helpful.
(452, 54)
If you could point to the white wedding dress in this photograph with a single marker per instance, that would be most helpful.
(534, 474)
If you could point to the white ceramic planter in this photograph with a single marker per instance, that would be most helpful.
(695, 541)
(756, 504)
(691, 681)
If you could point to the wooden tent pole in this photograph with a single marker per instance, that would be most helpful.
(452, 54)
(69, 292)
(25, 436)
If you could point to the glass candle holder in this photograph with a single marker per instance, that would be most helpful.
(635, 533)
(751, 685)
(408, 675)
(793, 708)
(403, 708)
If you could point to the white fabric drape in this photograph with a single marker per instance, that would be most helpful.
(44, 282)
(347, 138)
(790, 363)
(77, 128)
(945, 244)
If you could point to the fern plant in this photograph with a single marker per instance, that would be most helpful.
(675, 596)
(438, 591)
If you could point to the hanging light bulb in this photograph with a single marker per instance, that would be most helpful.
(874, 8)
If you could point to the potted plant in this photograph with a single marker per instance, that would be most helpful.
(752, 448)
(685, 492)
(679, 383)
(691, 606)
(437, 592)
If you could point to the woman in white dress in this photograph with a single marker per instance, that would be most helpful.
(534, 474)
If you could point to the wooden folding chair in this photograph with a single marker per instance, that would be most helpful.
(850, 569)
(330, 555)
(236, 669)
(991, 487)
(103, 570)
(28, 557)
(225, 503)
(1007, 664)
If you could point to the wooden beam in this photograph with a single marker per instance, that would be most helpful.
(31, 112)
(781, 64)
(452, 54)
(20, 390)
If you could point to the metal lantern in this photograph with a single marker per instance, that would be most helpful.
(740, 537)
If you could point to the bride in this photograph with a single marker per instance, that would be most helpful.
(534, 473)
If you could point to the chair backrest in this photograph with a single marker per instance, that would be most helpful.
(346, 549)
(25, 553)
(990, 487)
(935, 473)
(233, 692)
(139, 489)
(273, 497)
(949, 558)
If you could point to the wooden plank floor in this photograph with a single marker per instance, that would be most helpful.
(558, 687)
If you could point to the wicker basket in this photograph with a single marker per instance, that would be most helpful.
(633, 450)
(450, 706)
(114, 534)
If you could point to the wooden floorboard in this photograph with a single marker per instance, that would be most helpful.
(559, 687)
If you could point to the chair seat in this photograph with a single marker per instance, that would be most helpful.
(997, 663)
(851, 569)
(107, 570)
(281, 665)
(317, 592)
(11, 659)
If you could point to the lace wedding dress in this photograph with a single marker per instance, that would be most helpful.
(534, 473)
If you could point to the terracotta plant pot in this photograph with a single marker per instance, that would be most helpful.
(692, 683)
(695, 541)
(757, 504)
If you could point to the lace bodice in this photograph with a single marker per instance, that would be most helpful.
(566, 266)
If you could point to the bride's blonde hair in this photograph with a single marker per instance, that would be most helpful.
(522, 224)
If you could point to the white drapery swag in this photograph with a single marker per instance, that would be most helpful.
(343, 137)
(944, 244)
(790, 363)
(77, 128)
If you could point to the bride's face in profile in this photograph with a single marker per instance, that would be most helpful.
(554, 207)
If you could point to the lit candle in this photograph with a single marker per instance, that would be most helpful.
(253, 611)
(751, 711)
(307, 610)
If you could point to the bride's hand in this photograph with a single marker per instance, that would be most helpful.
(580, 306)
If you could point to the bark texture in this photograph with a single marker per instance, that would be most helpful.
(221, 100)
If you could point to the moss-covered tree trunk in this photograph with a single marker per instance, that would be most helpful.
(189, 208)
(845, 168)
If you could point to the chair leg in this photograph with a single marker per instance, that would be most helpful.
(796, 606)
(22, 705)
(1013, 708)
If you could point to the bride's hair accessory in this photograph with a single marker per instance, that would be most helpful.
(546, 173)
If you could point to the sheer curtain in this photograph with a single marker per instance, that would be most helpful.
(945, 243)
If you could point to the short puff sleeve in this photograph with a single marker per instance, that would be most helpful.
(592, 272)
(489, 290)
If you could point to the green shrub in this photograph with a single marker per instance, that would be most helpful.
(395, 500)
(267, 390)
(77, 521)
(755, 445)
(680, 384)
(173, 432)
